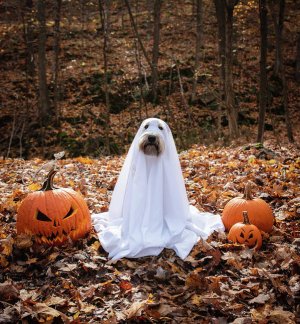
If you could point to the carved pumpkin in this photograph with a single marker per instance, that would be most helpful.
(260, 213)
(54, 215)
(245, 233)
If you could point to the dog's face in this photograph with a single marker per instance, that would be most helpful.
(151, 141)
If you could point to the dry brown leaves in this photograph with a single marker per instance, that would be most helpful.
(219, 281)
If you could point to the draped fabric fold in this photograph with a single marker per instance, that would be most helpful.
(149, 209)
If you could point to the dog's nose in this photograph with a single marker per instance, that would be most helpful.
(151, 138)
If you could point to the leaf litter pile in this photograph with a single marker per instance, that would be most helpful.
(218, 282)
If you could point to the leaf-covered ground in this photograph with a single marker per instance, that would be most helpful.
(219, 282)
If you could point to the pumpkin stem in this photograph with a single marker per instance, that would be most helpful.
(247, 191)
(48, 184)
(246, 217)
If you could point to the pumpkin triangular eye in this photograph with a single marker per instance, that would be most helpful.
(251, 236)
(242, 235)
(70, 212)
(42, 217)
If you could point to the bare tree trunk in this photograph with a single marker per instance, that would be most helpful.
(11, 134)
(263, 88)
(278, 26)
(175, 122)
(26, 9)
(137, 33)
(141, 71)
(104, 15)
(298, 59)
(198, 48)
(288, 121)
(184, 102)
(138, 62)
(155, 50)
(44, 104)
(83, 21)
(229, 92)
(279, 69)
(279, 62)
(29, 37)
(56, 61)
(221, 18)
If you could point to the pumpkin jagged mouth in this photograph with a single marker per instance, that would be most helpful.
(55, 238)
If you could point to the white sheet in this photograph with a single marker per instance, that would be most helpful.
(149, 210)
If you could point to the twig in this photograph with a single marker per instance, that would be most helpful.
(137, 58)
(11, 134)
(137, 33)
(20, 138)
(182, 94)
(49, 165)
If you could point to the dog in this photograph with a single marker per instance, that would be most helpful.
(149, 209)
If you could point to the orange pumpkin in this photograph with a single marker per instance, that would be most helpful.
(245, 233)
(260, 213)
(54, 215)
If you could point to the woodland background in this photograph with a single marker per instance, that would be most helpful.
(80, 76)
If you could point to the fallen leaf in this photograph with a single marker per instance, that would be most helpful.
(23, 241)
(68, 267)
(84, 160)
(196, 281)
(125, 285)
(34, 186)
(279, 316)
(165, 309)
(6, 245)
(55, 300)
(45, 313)
(9, 314)
(260, 299)
(135, 309)
(8, 292)
(196, 300)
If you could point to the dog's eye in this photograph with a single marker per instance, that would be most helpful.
(160, 127)
(146, 126)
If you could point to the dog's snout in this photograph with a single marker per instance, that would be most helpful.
(151, 143)
(151, 138)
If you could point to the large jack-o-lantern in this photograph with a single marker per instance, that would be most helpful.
(54, 215)
(246, 233)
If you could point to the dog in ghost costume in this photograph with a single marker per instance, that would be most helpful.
(149, 209)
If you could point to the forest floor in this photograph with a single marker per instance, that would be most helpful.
(218, 282)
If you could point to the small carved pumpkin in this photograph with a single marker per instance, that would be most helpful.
(260, 213)
(245, 233)
(54, 215)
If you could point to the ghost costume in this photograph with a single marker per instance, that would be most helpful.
(149, 209)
